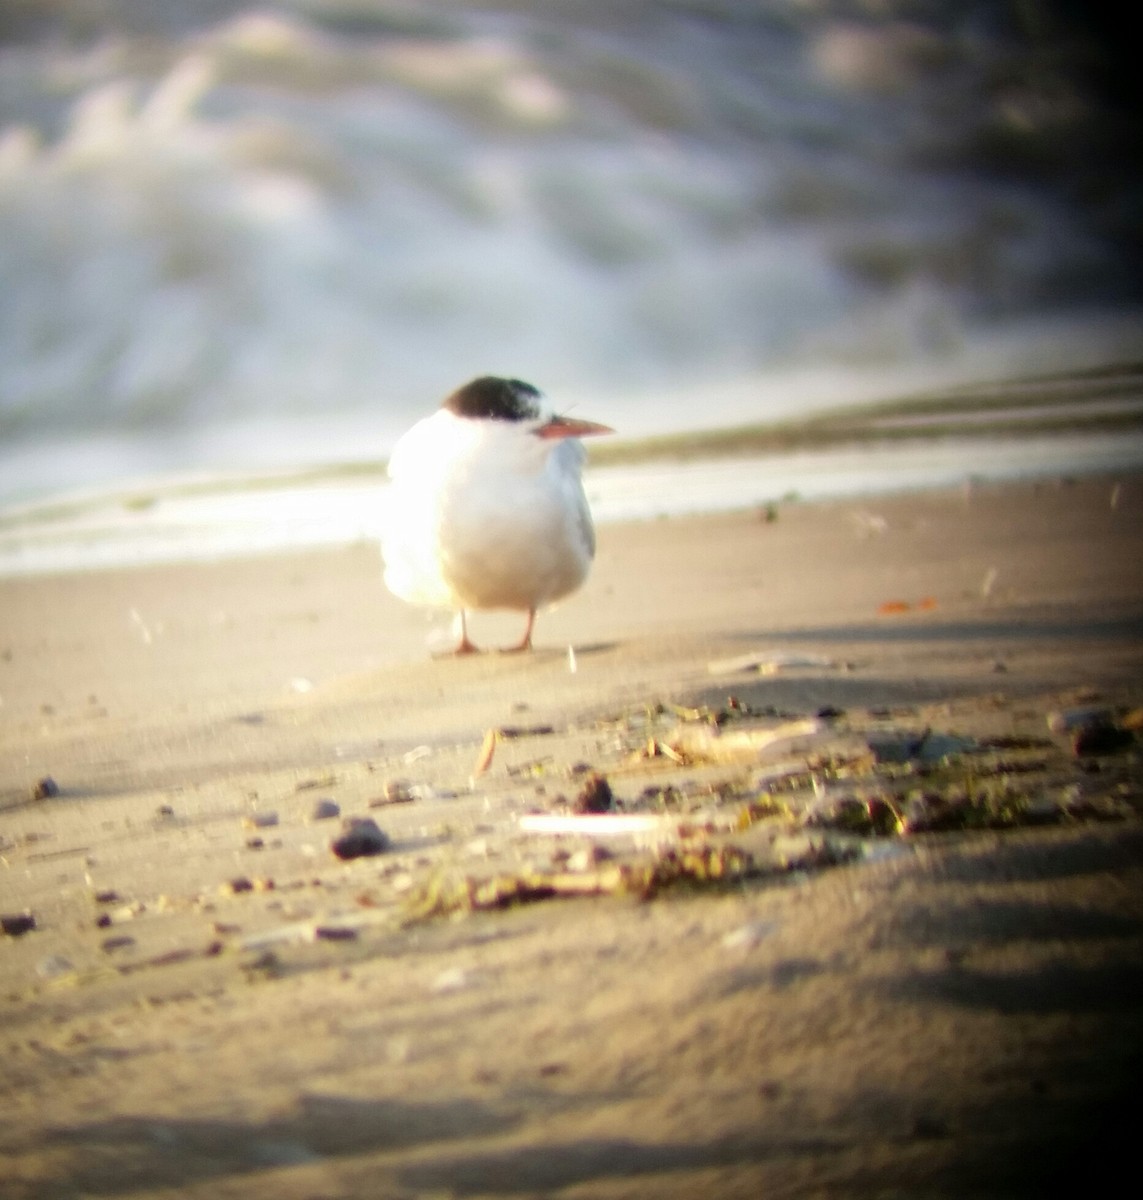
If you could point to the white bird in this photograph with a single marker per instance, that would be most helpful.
(486, 506)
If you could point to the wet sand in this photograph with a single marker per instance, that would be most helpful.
(938, 1014)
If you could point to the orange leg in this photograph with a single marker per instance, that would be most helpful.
(525, 643)
(465, 646)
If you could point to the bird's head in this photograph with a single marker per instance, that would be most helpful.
(517, 404)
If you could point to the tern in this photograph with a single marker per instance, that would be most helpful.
(486, 506)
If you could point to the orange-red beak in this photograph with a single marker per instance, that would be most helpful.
(564, 427)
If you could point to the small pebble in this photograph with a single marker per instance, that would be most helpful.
(121, 942)
(595, 796)
(360, 838)
(234, 886)
(325, 810)
(334, 933)
(262, 820)
(396, 791)
(1101, 737)
(17, 924)
(45, 789)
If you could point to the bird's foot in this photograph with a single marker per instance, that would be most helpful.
(520, 648)
(464, 645)
(525, 643)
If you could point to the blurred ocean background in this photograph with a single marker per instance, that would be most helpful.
(239, 237)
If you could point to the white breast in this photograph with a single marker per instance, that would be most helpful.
(483, 514)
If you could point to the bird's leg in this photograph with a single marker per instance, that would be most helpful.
(465, 646)
(525, 643)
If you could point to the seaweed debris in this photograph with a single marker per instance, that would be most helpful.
(698, 866)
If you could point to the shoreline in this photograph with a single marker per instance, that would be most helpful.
(1083, 422)
(221, 517)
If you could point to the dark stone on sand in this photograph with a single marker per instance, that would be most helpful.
(595, 796)
(361, 837)
(1100, 737)
(45, 789)
(334, 933)
(16, 924)
(325, 810)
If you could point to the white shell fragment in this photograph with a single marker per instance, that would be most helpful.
(747, 936)
(771, 662)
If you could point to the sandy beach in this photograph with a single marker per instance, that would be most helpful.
(212, 1004)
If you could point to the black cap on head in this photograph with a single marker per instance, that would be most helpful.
(500, 399)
